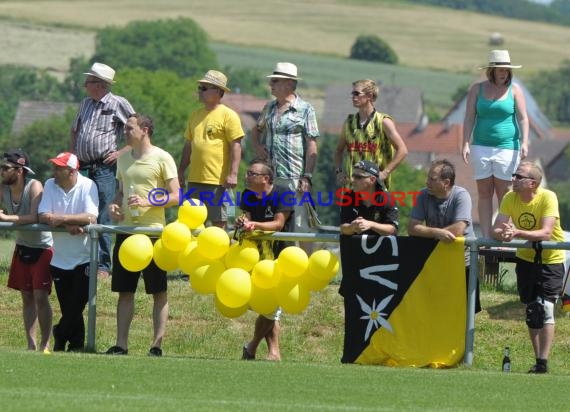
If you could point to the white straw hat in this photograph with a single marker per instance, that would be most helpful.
(285, 71)
(103, 72)
(500, 58)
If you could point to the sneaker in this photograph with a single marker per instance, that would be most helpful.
(46, 351)
(538, 369)
(246, 355)
(155, 351)
(116, 350)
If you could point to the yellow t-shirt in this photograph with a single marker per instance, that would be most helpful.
(150, 172)
(528, 216)
(211, 134)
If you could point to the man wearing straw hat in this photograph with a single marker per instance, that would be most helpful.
(212, 148)
(95, 136)
(286, 134)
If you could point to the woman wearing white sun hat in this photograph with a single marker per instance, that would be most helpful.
(496, 119)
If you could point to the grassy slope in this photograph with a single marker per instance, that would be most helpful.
(422, 36)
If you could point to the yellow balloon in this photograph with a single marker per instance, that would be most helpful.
(263, 274)
(312, 283)
(135, 252)
(164, 258)
(203, 278)
(234, 287)
(192, 215)
(292, 297)
(190, 258)
(176, 236)
(213, 242)
(263, 301)
(293, 262)
(323, 264)
(230, 312)
(243, 256)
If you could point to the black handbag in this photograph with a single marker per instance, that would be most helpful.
(27, 254)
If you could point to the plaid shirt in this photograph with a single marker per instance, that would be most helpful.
(285, 136)
(99, 126)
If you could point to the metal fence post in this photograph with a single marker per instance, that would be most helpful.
(92, 302)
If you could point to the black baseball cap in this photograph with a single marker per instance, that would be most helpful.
(17, 157)
(368, 167)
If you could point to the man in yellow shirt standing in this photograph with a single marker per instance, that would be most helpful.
(212, 149)
(530, 212)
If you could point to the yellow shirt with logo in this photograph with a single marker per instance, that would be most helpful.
(528, 216)
(148, 175)
(211, 134)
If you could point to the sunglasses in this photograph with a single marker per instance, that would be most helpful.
(91, 81)
(359, 176)
(6, 168)
(356, 93)
(204, 88)
(250, 173)
(521, 177)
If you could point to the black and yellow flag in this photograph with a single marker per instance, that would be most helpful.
(405, 301)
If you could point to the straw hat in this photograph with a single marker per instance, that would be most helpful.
(500, 58)
(285, 71)
(103, 72)
(216, 78)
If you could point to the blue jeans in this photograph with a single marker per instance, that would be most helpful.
(104, 177)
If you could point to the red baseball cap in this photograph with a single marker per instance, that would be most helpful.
(66, 159)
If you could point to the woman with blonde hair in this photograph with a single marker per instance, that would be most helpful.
(496, 125)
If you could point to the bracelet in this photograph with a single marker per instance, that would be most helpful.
(309, 175)
(338, 170)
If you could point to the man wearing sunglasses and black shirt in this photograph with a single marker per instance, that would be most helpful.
(267, 207)
(370, 210)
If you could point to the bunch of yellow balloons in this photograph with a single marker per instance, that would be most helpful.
(234, 274)
(241, 281)
(137, 251)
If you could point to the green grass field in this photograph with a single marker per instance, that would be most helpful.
(99, 383)
(201, 369)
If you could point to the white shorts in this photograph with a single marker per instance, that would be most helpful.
(492, 161)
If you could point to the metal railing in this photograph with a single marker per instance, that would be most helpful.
(94, 231)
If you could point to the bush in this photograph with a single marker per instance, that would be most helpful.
(178, 45)
(373, 48)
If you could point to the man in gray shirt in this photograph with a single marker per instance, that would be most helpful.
(443, 210)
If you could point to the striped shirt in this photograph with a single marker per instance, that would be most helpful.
(285, 136)
(99, 126)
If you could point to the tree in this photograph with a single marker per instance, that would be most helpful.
(44, 139)
(551, 90)
(373, 48)
(23, 83)
(249, 81)
(164, 96)
(178, 45)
